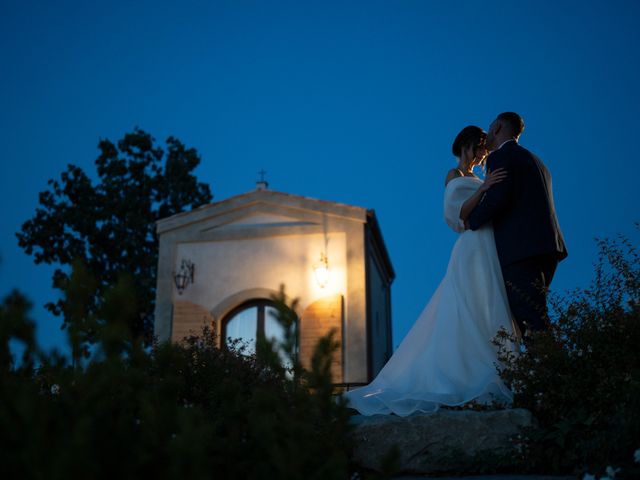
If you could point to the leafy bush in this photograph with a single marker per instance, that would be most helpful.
(581, 379)
(173, 411)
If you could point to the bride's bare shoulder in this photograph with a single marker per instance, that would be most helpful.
(451, 174)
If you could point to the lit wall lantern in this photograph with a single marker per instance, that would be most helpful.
(184, 276)
(321, 270)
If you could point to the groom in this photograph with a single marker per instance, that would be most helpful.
(528, 238)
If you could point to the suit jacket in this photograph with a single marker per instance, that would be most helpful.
(520, 207)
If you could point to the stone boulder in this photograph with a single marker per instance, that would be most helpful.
(445, 441)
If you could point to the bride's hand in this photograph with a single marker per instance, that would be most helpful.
(493, 177)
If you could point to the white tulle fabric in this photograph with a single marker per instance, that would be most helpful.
(448, 358)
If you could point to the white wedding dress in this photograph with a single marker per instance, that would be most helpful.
(448, 358)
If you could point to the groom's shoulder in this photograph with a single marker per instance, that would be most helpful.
(499, 157)
(516, 148)
(525, 153)
(511, 151)
(519, 148)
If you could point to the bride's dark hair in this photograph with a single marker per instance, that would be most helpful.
(468, 136)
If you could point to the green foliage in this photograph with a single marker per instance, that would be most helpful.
(310, 411)
(173, 411)
(15, 325)
(110, 226)
(581, 379)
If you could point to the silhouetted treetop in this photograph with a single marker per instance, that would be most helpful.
(109, 224)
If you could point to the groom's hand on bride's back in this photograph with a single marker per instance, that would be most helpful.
(497, 197)
(493, 177)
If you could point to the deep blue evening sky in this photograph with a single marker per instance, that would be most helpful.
(355, 102)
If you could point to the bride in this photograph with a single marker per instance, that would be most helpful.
(448, 358)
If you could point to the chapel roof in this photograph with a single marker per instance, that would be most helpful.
(266, 196)
(262, 196)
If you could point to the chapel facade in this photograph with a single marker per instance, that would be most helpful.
(220, 264)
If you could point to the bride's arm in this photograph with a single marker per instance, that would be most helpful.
(492, 178)
(451, 174)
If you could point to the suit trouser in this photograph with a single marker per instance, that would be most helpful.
(527, 283)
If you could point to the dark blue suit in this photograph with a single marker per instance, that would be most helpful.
(528, 238)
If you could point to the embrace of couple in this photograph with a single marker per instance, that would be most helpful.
(501, 265)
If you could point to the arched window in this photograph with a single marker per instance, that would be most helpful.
(248, 321)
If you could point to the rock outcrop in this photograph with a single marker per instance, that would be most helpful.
(442, 442)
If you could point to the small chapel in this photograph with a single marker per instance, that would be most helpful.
(220, 264)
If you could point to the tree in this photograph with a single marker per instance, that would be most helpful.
(16, 324)
(110, 227)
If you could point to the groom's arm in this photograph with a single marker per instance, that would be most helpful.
(497, 198)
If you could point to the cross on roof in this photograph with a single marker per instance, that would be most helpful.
(262, 174)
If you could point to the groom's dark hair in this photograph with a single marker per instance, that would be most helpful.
(470, 135)
(513, 122)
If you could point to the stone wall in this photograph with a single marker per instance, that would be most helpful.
(317, 320)
(189, 319)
